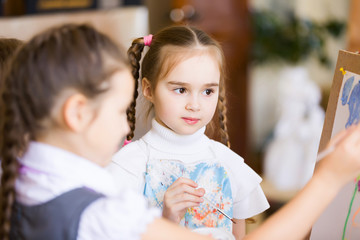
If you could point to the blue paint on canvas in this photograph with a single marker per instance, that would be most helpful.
(351, 96)
(346, 90)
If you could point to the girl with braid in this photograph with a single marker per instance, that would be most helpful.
(175, 165)
(67, 91)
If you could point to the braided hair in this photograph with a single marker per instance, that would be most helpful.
(8, 47)
(158, 62)
(70, 56)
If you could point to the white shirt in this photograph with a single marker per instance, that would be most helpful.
(47, 172)
(129, 164)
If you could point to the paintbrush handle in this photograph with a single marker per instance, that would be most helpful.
(324, 153)
(217, 209)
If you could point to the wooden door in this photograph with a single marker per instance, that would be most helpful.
(13, 7)
(228, 22)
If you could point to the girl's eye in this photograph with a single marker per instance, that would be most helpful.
(180, 90)
(208, 92)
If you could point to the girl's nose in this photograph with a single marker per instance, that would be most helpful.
(193, 105)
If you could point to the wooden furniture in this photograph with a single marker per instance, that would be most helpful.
(122, 24)
(353, 27)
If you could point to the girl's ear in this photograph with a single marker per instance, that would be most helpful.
(77, 112)
(146, 89)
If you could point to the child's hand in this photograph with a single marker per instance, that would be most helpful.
(343, 164)
(180, 196)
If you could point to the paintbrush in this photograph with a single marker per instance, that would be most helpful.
(325, 152)
(330, 149)
(218, 209)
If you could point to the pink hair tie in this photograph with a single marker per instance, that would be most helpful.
(148, 39)
(126, 142)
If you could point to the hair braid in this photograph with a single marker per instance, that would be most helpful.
(76, 58)
(13, 143)
(222, 117)
(134, 54)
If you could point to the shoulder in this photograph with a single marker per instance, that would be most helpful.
(134, 150)
(243, 178)
(222, 150)
(233, 162)
(110, 217)
(132, 157)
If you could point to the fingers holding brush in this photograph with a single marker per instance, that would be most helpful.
(342, 163)
(180, 196)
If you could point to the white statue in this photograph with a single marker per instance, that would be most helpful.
(290, 157)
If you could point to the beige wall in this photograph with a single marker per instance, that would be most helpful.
(122, 24)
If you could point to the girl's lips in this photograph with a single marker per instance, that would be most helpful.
(191, 121)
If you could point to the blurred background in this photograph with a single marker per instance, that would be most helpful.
(280, 55)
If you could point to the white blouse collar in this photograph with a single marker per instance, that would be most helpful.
(73, 169)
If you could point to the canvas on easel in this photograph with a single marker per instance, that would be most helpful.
(341, 219)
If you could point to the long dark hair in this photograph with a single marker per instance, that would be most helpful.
(8, 47)
(70, 56)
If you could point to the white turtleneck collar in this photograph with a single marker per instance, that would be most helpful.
(166, 140)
